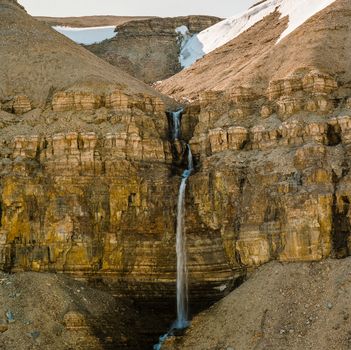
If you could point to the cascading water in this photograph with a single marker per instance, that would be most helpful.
(176, 116)
(182, 271)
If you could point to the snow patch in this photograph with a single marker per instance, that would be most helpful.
(184, 37)
(299, 11)
(87, 36)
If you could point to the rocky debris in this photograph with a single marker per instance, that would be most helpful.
(74, 320)
(51, 314)
(10, 317)
(281, 306)
(139, 47)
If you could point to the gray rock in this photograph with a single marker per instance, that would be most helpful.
(9, 316)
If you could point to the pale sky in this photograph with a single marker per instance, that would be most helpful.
(165, 8)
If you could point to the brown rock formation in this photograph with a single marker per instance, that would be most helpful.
(149, 49)
(271, 186)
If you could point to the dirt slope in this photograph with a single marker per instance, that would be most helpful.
(253, 58)
(54, 312)
(282, 306)
(37, 61)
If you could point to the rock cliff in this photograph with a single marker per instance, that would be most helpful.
(149, 49)
(89, 185)
(274, 187)
(89, 21)
(89, 177)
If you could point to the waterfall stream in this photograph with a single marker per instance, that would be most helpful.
(182, 271)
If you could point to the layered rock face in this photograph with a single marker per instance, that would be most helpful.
(271, 182)
(149, 49)
(101, 202)
(89, 179)
(273, 170)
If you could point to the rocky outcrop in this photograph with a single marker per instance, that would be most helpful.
(89, 177)
(64, 101)
(275, 185)
(140, 46)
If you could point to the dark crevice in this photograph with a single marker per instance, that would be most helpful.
(341, 227)
(333, 135)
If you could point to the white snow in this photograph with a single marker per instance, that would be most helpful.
(184, 37)
(299, 11)
(183, 30)
(87, 36)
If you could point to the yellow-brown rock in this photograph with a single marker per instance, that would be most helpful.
(78, 101)
(21, 104)
(318, 82)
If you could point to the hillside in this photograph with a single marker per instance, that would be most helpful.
(36, 61)
(48, 311)
(282, 306)
(257, 56)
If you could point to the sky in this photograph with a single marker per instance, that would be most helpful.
(165, 8)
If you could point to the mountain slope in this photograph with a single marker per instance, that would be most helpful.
(255, 57)
(225, 31)
(282, 306)
(37, 61)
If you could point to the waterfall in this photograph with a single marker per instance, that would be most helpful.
(182, 271)
(176, 130)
